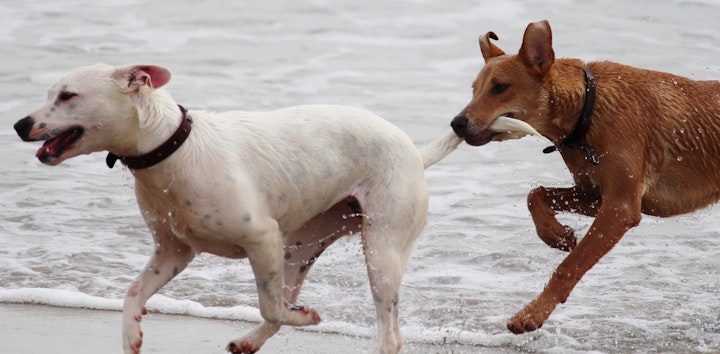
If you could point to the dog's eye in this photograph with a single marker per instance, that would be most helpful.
(66, 96)
(499, 88)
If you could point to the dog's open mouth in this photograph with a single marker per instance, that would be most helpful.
(55, 146)
(481, 138)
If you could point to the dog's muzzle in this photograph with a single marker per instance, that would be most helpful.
(459, 125)
(23, 127)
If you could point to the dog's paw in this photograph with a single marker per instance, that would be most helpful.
(132, 334)
(525, 321)
(243, 348)
(310, 315)
(531, 317)
(132, 341)
(562, 238)
(296, 315)
(522, 323)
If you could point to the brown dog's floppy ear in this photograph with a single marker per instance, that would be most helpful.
(136, 76)
(536, 50)
(488, 49)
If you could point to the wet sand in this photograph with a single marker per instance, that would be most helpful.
(26, 329)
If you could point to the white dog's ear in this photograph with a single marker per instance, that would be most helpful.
(135, 76)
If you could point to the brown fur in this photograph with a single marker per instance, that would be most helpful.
(657, 137)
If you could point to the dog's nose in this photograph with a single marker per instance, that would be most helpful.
(459, 125)
(23, 127)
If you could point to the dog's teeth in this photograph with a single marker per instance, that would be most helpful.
(504, 124)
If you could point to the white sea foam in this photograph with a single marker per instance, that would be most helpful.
(72, 236)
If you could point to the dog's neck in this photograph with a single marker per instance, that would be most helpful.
(160, 151)
(574, 139)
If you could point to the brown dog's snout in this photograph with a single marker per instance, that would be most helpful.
(459, 124)
(23, 127)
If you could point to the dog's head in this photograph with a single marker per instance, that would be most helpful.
(91, 109)
(508, 86)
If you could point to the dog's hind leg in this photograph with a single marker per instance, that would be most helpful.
(302, 248)
(386, 259)
(544, 203)
(168, 260)
(388, 238)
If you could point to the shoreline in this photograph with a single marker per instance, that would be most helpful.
(33, 328)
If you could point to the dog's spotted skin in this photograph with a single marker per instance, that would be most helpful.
(276, 187)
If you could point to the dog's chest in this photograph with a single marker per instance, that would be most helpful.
(205, 231)
(193, 220)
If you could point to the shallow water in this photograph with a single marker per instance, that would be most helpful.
(72, 235)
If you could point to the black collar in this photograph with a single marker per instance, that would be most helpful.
(573, 140)
(161, 152)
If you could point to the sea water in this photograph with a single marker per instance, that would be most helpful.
(73, 236)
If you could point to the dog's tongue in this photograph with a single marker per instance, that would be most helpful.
(48, 149)
(54, 147)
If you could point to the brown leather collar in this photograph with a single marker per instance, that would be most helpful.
(160, 153)
(583, 125)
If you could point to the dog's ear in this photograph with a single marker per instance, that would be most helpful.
(488, 49)
(536, 50)
(136, 76)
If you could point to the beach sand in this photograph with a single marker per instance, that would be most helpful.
(26, 329)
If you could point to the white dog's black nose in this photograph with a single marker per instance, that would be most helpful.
(23, 127)
(459, 124)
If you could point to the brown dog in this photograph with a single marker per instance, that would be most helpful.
(636, 141)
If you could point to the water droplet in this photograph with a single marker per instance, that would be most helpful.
(679, 158)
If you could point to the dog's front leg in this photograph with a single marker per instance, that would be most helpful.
(618, 213)
(268, 265)
(544, 203)
(252, 341)
(169, 258)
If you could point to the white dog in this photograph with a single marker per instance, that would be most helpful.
(275, 187)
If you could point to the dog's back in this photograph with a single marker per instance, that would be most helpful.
(669, 121)
(341, 146)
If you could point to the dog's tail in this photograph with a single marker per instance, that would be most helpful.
(438, 149)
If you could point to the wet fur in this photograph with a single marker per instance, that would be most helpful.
(657, 136)
(276, 187)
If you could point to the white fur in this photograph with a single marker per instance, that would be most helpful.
(276, 187)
